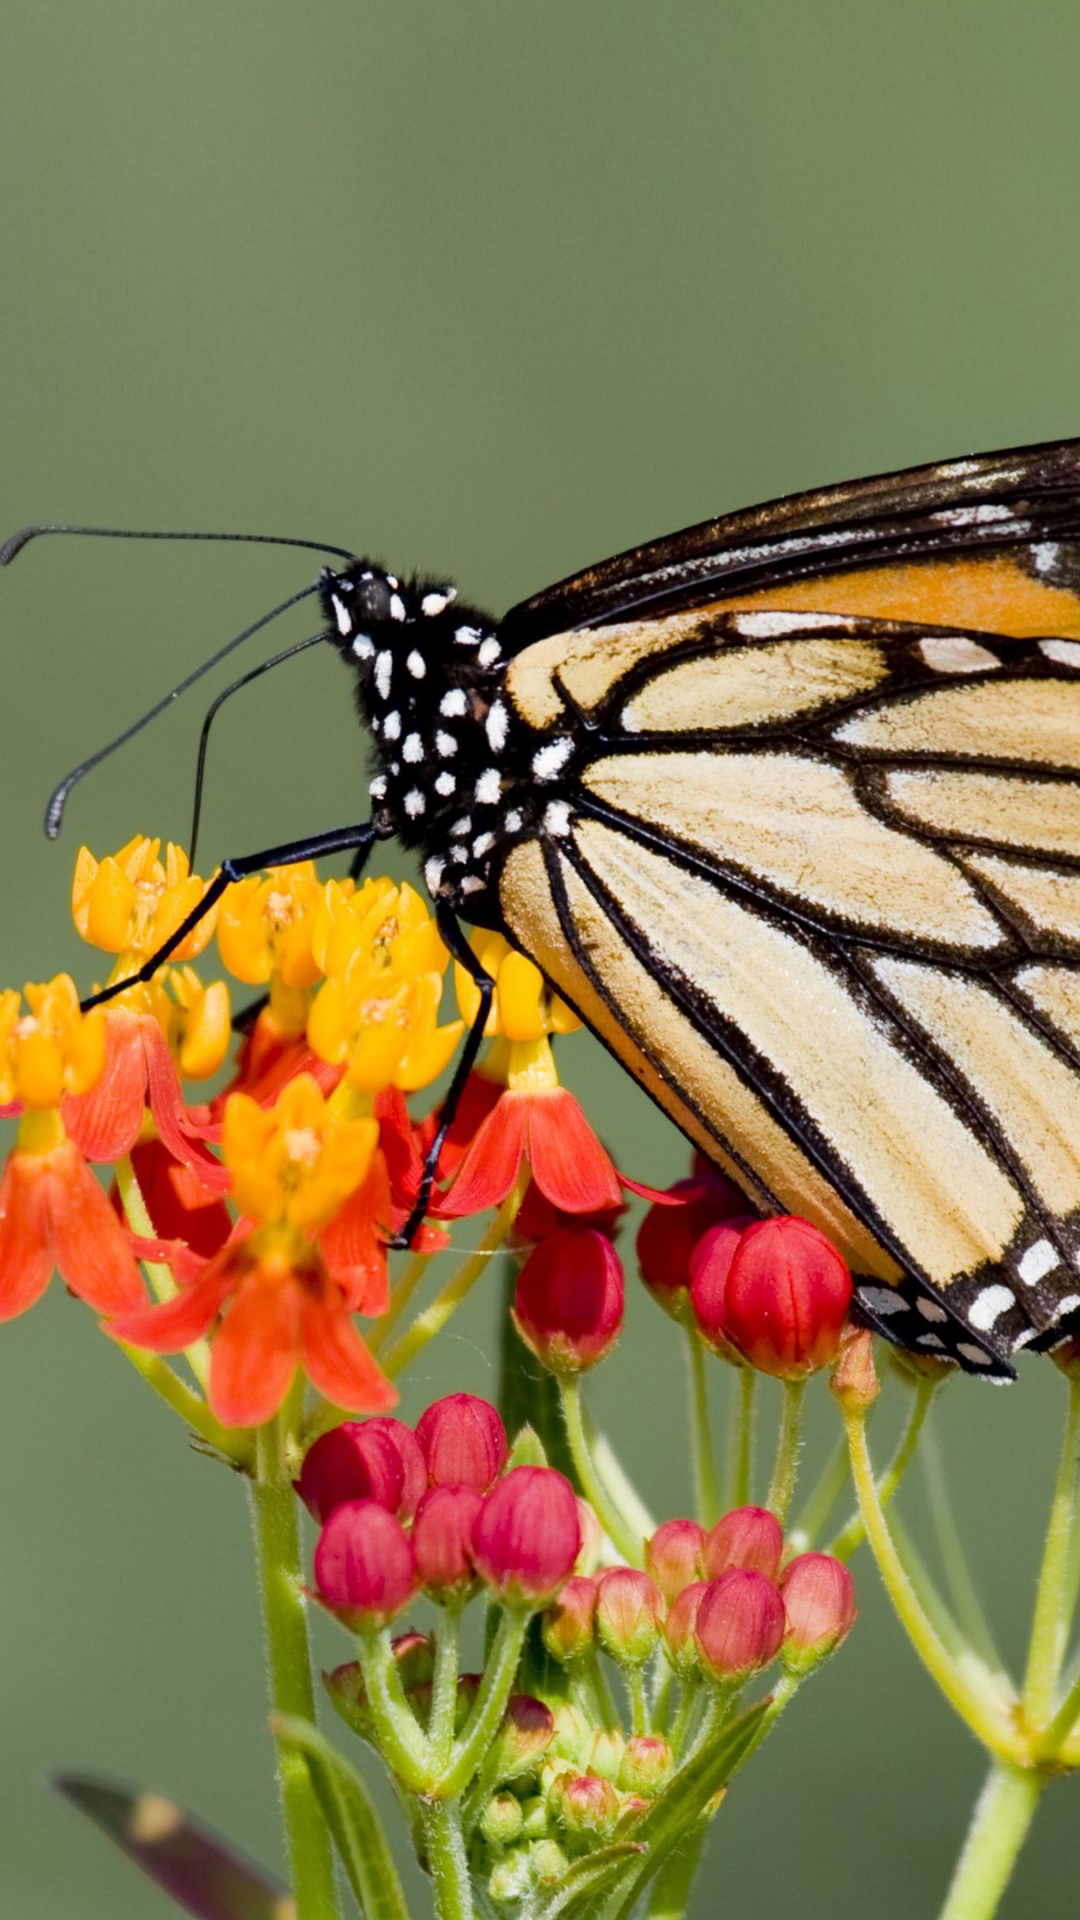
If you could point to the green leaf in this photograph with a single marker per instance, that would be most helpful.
(528, 1393)
(352, 1819)
(527, 1450)
(605, 1871)
(203, 1873)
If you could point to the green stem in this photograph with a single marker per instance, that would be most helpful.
(674, 1883)
(706, 1492)
(444, 1686)
(500, 1671)
(821, 1500)
(277, 1544)
(403, 1744)
(692, 1695)
(447, 1863)
(1050, 1624)
(404, 1288)
(997, 1833)
(613, 1522)
(161, 1280)
(639, 1710)
(741, 1441)
(782, 1485)
(234, 1442)
(449, 1298)
(853, 1533)
(992, 1728)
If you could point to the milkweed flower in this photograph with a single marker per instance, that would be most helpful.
(365, 1570)
(463, 1442)
(669, 1235)
(527, 1537)
(786, 1296)
(568, 1303)
(376, 1460)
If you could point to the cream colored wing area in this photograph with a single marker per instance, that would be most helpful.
(677, 1058)
(1055, 993)
(589, 664)
(944, 1196)
(744, 685)
(1034, 720)
(1030, 1091)
(796, 824)
(1048, 896)
(1037, 815)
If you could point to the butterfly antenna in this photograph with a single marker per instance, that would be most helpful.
(54, 812)
(15, 544)
(255, 673)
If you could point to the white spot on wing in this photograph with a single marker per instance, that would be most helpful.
(1065, 653)
(445, 744)
(341, 615)
(989, 1306)
(550, 760)
(951, 653)
(1068, 1305)
(444, 785)
(377, 787)
(467, 636)
(1039, 1260)
(397, 607)
(433, 603)
(483, 844)
(930, 1340)
(768, 626)
(433, 873)
(363, 646)
(415, 804)
(557, 817)
(1045, 555)
(512, 820)
(392, 726)
(930, 1309)
(495, 727)
(416, 664)
(413, 748)
(472, 885)
(488, 653)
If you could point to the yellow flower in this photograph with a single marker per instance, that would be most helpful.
(390, 926)
(266, 923)
(294, 1164)
(377, 1011)
(195, 1021)
(52, 1050)
(130, 903)
(522, 1007)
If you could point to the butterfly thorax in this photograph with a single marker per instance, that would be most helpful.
(452, 780)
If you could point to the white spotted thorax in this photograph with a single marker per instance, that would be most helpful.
(456, 777)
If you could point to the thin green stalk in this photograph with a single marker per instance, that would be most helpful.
(639, 1710)
(959, 1580)
(998, 1830)
(992, 1728)
(706, 1492)
(444, 1847)
(444, 1685)
(404, 1288)
(613, 1522)
(403, 1744)
(161, 1280)
(821, 1500)
(740, 1461)
(786, 1465)
(489, 1706)
(617, 1481)
(1050, 1624)
(449, 1298)
(853, 1533)
(234, 1442)
(692, 1695)
(288, 1655)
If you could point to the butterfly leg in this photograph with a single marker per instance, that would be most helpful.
(460, 951)
(339, 840)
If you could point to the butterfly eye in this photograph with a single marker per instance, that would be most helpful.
(371, 599)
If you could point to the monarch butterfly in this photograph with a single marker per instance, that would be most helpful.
(787, 807)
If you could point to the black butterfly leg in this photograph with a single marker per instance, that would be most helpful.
(339, 840)
(461, 951)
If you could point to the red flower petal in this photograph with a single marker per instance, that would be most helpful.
(177, 1202)
(89, 1244)
(353, 1246)
(338, 1363)
(255, 1351)
(25, 1255)
(479, 1098)
(170, 1116)
(570, 1166)
(106, 1122)
(491, 1162)
(176, 1323)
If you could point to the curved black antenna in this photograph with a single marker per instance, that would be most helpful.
(255, 673)
(17, 541)
(54, 812)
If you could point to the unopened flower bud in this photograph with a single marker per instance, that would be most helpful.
(364, 1567)
(628, 1615)
(668, 1234)
(363, 1460)
(526, 1733)
(749, 1537)
(786, 1298)
(348, 1695)
(854, 1378)
(547, 1861)
(675, 1556)
(592, 1539)
(819, 1608)
(573, 1736)
(585, 1806)
(468, 1687)
(463, 1442)
(710, 1264)
(442, 1542)
(680, 1644)
(739, 1626)
(502, 1820)
(647, 1764)
(568, 1304)
(568, 1624)
(527, 1537)
(534, 1817)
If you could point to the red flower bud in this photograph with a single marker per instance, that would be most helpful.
(668, 1235)
(680, 1627)
(787, 1295)
(527, 1537)
(442, 1541)
(568, 1306)
(569, 1623)
(748, 1537)
(586, 1807)
(463, 1442)
(819, 1605)
(528, 1728)
(646, 1764)
(364, 1566)
(710, 1264)
(628, 1615)
(363, 1460)
(740, 1624)
(537, 1218)
(675, 1556)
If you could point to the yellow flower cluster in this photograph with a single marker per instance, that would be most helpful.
(295, 1164)
(51, 1050)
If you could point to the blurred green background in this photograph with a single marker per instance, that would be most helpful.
(497, 290)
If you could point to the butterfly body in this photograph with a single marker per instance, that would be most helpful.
(788, 807)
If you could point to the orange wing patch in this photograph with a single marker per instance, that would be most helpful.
(992, 593)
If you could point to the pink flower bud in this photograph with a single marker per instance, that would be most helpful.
(592, 1539)
(740, 1624)
(819, 1606)
(569, 1622)
(442, 1542)
(462, 1441)
(527, 1731)
(568, 1305)
(710, 1264)
(628, 1615)
(668, 1235)
(364, 1567)
(585, 1806)
(646, 1766)
(748, 1537)
(787, 1296)
(527, 1537)
(680, 1627)
(363, 1460)
(674, 1556)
